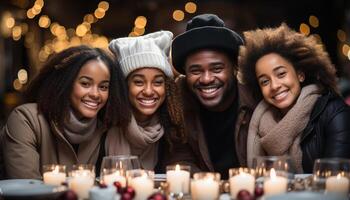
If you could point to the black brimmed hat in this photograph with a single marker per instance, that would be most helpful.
(204, 31)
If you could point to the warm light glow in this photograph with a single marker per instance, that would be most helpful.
(140, 22)
(54, 27)
(341, 35)
(349, 55)
(178, 15)
(81, 30)
(10, 22)
(313, 20)
(89, 18)
(39, 3)
(345, 49)
(44, 21)
(132, 34)
(304, 29)
(272, 173)
(99, 13)
(22, 76)
(16, 31)
(17, 85)
(177, 167)
(104, 5)
(139, 31)
(36, 10)
(318, 38)
(30, 14)
(190, 7)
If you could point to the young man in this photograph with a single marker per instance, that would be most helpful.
(217, 108)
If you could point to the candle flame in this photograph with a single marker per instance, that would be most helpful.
(339, 176)
(272, 173)
(177, 167)
(56, 170)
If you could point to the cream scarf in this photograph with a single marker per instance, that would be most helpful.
(77, 131)
(275, 135)
(140, 139)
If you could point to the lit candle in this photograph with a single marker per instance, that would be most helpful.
(241, 181)
(109, 179)
(204, 189)
(54, 177)
(143, 186)
(337, 184)
(178, 180)
(81, 182)
(275, 184)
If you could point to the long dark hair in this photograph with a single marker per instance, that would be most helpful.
(52, 87)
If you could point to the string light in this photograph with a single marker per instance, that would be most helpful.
(313, 21)
(178, 15)
(304, 29)
(190, 7)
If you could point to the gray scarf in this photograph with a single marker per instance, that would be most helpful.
(275, 135)
(140, 139)
(77, 131)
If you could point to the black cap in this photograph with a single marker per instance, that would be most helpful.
(204, 31)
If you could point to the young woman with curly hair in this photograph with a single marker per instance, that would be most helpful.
(76, 97)
(299, 111)
(157, 111)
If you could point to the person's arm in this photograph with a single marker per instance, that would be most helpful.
(20, 145)
(338, 134)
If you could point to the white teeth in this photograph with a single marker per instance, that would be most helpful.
(148, 101)
(91, 104)
(280, 95)
(209, 90)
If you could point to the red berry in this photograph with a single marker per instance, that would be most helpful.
(244, 195)
(102, 185)
(259, 191)
(118, 185)
(130, 190)
(126, 196)
(157, 196)
(69, 195)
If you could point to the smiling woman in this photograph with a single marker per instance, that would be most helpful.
(294, 83)
(157, 111)
(76, 97)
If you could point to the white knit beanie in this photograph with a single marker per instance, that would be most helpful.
(149, 51)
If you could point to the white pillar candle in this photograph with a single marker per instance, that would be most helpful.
(54, 177)
(143, 187)
(337, 184)
(178, 180)
(275, 184)
(109, 179)
(205, 189)
(81, 182)
(241, 181)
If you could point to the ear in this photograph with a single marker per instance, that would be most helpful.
(301, 76)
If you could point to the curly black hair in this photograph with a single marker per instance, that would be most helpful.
(304, 53)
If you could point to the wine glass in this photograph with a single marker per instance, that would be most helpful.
(331, 175)
(281, 165)
(113, 168)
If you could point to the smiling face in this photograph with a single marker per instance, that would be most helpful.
(90, 89)
(278, 81)
(210, 77)
(146, 92)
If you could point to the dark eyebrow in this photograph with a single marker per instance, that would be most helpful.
(91, 79)
(274, 70)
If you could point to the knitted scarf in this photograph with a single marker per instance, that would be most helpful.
(77, 131)
(140, 139)
(272, 134)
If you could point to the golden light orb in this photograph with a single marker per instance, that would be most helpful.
(304, 29)
(140, 22)
(44, 21)
(178, 15)
(313, 21)
(341, 35)
(190, 7)
(104, 5)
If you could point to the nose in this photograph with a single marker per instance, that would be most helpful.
(206, 78)
(94, 92)
(148, 90)
(275, 84)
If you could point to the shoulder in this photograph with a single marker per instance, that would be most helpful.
(330, 104)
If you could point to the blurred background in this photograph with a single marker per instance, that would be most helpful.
(32, 30)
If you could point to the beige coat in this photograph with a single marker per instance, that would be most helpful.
(31, 142)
